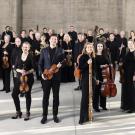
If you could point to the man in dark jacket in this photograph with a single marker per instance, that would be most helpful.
(49, 56)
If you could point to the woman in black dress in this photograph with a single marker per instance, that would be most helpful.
(101, 61)
(128, 86)
(67, 72)
(6, 51)
(24, 67)
(87, 58)
(16, 51)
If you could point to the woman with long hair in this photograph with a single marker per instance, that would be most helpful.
(101, 61)
(88, 57)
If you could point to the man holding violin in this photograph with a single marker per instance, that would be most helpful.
(49, 68)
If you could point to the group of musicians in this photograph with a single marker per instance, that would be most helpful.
(54, 57)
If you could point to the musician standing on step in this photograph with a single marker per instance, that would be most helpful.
(49, 56)
(24, 67)
(87, 58)
(128, 84)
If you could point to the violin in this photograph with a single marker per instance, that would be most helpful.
(48, 73)
(108, 88)
(77, 71)
(5, 61)
(24, 87)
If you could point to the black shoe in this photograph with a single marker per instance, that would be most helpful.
(22, 94)
(78, 88)
(83, 122)
(56, 119)
(44, 120)
(129, 111)
(104, 108)
(97, 110)
(8, 91)
(18, 115)
(2, 90)
(80, 122)
(27, 117)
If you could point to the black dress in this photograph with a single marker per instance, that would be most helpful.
(5, 71)
(83, 65)
(98, 99)
(67, 72)
(128, 87)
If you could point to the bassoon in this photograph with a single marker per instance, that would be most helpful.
(90, 107)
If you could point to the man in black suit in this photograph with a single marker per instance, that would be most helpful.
(49, 56)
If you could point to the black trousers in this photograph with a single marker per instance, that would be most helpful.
(36, 59)
(47, 85)
(6, 79)
(98, 99)
(16, 92)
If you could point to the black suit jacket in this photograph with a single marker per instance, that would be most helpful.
(45, 61)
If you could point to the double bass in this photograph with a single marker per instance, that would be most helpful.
(108, 88)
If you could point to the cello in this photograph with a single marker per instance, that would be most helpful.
(108, 88)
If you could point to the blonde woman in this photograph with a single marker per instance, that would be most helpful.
(87, 58)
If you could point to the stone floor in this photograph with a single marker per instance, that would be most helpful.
(112, 122)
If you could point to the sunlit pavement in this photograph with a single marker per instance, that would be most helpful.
(111, 122)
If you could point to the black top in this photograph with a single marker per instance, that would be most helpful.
(84, 66)
(7, 33)
(89, 39)
(100, 60)
(8, 49)
(52, 53)
(113, 49)
(73, 35)
(129, 67)
(26, 65)
(78, 49)
(16, 51)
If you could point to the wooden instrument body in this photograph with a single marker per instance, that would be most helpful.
(108, 88)
(90, 107)
(48, 73)
(24, 87)
(5, 61)
(77, 71)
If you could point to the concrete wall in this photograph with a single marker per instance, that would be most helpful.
(81, 13)
(58, 14)
(10, 14)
